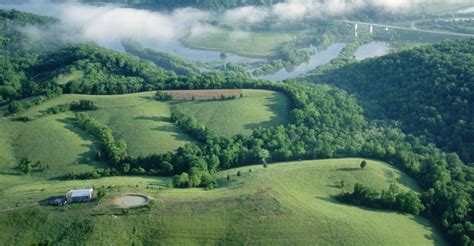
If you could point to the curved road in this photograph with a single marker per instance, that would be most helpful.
(408, 28)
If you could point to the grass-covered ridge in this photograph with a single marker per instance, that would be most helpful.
(142, 122)
(284, 203)
(138, 119)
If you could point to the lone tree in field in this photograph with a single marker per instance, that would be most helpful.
(363, 164)
(25, 165)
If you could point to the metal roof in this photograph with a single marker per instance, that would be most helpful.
(80, 192)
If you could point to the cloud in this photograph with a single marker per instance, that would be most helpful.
(247, 14)
(297, 9)
(238, 35)
(105, 23)
(198, 31)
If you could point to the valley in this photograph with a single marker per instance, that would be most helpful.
(200, 122)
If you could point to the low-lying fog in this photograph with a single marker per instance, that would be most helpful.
(106, 24)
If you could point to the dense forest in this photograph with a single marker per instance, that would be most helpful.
(426, 89)
(161, 59)
(18, 53)
(429, 90)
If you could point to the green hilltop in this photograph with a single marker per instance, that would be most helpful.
(284, 203)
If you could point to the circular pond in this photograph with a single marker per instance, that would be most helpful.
(131, 201)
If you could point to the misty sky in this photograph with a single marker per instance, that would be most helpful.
(107, 24)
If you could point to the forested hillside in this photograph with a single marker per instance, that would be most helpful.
(161, 59)
(429, 90)
(34, 67)
(18, 52)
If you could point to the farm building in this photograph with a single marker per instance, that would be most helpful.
(82, 195)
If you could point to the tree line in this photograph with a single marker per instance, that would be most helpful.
(392, 199)
(115, 150)
(81, 105)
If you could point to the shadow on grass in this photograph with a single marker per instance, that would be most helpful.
(348, 169)
(435, 232)
(166, 128)
(13, 173)
(333, 199)
(154, 118)
(434, 235)
(47, 201)
(276, 105)
(89, 156)
(147, 98)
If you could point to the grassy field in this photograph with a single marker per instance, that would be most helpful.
(141, 121)
(56, 141)
(53, 140)
(287, 203)
(138, 119)
(251, 44)
(257, 108)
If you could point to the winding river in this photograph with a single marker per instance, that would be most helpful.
(318, 59)
(177, 48)
(372, 49)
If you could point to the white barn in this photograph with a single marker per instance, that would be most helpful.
(81, 195)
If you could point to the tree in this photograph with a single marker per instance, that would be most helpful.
(263, 154)
(126, 168)
(25, 165)
(363, 164)
(182, 180)
(163, 96)
(15, 107)
(223, 55)
(341, 183)
(101, 194)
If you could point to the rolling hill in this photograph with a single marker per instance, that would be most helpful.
(54, 139)
(285, 203)
(138, 119)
